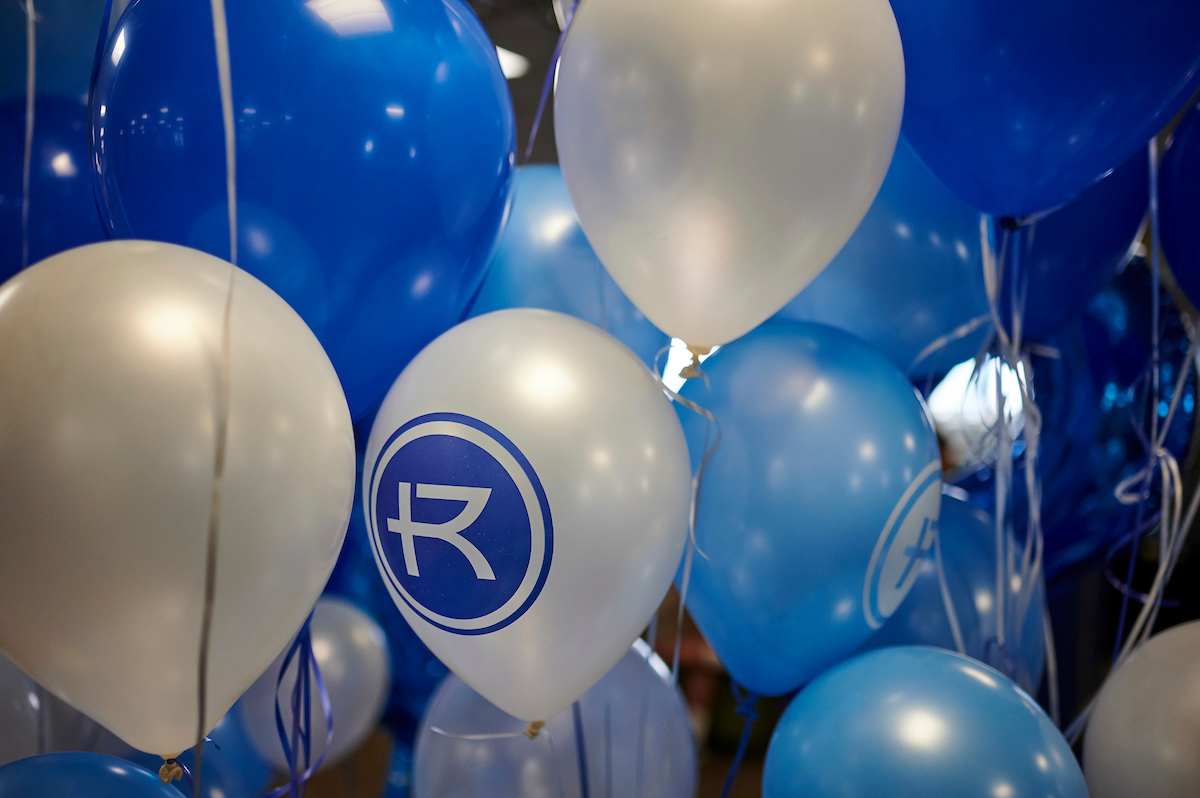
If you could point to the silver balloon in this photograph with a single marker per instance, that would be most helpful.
(637, 742)
(1144, 733)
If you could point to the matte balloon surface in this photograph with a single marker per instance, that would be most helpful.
(526, 491)
(1019, 106)
(352, 654)
(720, 154)
(1146, 716)
(544, 261)
(62, 209)
(375, 146)
(820, 504)
(111, 357)
(636, 741)
(912, 722)
(80, 775)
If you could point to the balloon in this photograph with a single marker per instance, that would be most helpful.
(912, 722)
(720, 154)
(80, 775)
(62, 210)
(1179, 204)
(352, 654)
(817, 509)
(551, 485)
(1146, 721)
(66, 44)
(1018, 107)
(543, 261)
(19, 709)
(374, 156)
(637, 741)
(232, 767)
(912, 272)
(111, 358)
(967, 537)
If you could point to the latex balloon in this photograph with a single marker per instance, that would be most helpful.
(232, 767)
(111, 353)
(720, 154)
(818, 508)
(912, 271)
(66, 33)
(634, 734)
(1146, 716)
(912, 722)
(80, 775)
(20, 704)
(967, 538)
(1018, 107)
(62, 209)
(544, 261)
(525, 472)
(375, 147)
(1179, 203)
(352, 654)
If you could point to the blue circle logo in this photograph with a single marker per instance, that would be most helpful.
(459, 523)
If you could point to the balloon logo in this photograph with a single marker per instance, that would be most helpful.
(460, 523)
(906, 541)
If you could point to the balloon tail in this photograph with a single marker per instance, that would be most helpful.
(534, 729)
(580, 750)
(30, 93)
(746, 702)
(173, 770)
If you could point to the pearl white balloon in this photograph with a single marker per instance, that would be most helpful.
(110, 355)
(1144, 732)
(351, 652)
(720, 153)
(543, 495)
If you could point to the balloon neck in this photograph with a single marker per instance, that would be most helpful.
(170, 770)
(692, 370)
(1009, 223)
(535, 727)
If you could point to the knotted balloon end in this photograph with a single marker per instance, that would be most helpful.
(1009, 223)
(170, 770)
(535, 727)
(692, 370)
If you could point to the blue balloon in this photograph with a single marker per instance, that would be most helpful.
(62, 208)
(967, 536)
(66, 44)
(544, 261)
(1019, 106)
(819, 504)
(375, 148)
(1179, 204)
(912, 271)
(915, 722)
(80, 775)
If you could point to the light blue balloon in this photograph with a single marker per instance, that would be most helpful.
(818, 507)
(544, 261)
(967, 536)
(80, 775)
(916, 722)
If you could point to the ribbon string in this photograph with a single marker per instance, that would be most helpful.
(548, 83)
(30, 93)
(747, 702)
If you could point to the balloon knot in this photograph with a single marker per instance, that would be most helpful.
(534, 728)
(692, 370)
(747, 703)
(1009, 223)
(170, 771)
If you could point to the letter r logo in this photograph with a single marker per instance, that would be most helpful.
(449, 531)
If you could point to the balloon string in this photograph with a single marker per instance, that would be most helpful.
(580, 749)
(544, 733)
(942, 341)
(225, 79)
(1051, 667)
(297, 745)
(30, 93)
(746, 703)
(548, 83)
(101, 41)
(947, 602)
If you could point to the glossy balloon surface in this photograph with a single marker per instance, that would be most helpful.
(575, 478)
(912, 722)
(80, 775)
(820, 504)
(636, 737)
(62, 208)
(719, 154)
(19, 707)
(375, 147)
(1019, 106)
(352, 654)
(544, 261)
(108, 408)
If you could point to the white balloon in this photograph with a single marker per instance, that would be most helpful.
(351, 652)
(20, 707)
(526, 488)
(1144, 732)
(110, 355)
(720, 153)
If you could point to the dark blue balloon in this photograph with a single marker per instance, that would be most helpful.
(375, 148)
(912, 271)
(1179, 204)
(80, 775)
(1019, 106)
(967, 537)
(66, 44)
(818, 507)
(62, 208)
(544, 261)
(916, 722)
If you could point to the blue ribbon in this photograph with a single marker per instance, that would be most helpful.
(101, 41)
(548, 83)
(298, 743)
(747, 702)
(580, 749)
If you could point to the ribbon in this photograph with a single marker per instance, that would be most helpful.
(580, 750)
(30, 93)
(747, 702)
(545, 734)
(298, 744)
(548, 83)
